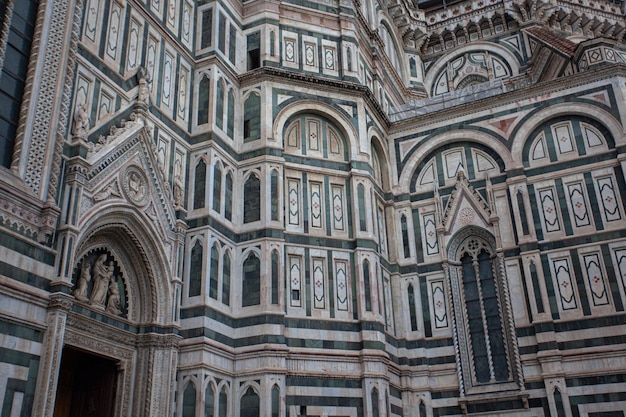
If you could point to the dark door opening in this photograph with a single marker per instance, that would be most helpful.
(86, 385)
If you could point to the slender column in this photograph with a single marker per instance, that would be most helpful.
(50, 363)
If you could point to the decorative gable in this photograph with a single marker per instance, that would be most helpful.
(465, 207)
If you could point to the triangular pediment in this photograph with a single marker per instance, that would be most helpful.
(125, 172)
(465, 207)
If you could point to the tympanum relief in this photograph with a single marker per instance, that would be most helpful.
(99, 283)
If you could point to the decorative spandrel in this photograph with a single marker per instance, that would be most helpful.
(99, 283)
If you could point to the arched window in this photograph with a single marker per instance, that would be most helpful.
(226, 278)
(361, 197)
(203, 100)
(219, 104)
(252, 199)
(558, 403)
(250, 404)
(422, 409)
(367, 285)
(275, 401)
(412, 313)
(199, 190)
(195, 270)
(274, 195)
(405, 237)
(251, 285)
(223, 403)
(189, 401)
(228, 197)
(217, 188)
(275, 269)
(480, 310)
(209, 401)
(230, 122)
(374, 399)
(252, 118)
(215, 267)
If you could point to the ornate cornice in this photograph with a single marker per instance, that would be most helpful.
(323, 84)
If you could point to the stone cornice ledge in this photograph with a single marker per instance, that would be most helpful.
(270, 73)
(22, 211)
(510, 97)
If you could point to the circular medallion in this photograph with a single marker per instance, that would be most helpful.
(466, 215)
(135, 185)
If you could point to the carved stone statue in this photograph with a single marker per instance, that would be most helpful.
(144, 79)
(80, 292)
(114, 305)
(179, 192)
(81, 122)
(101, 276)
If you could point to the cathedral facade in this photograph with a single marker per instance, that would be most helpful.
(333, 208)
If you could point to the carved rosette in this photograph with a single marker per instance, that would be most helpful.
(135, 185)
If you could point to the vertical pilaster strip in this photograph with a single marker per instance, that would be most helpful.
(510, 322)
(47, 379)
(61, 131)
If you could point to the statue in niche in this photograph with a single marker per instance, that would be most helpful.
(102, 274)
(81, 122)
(179, 192)
(80, 292)
(114, 305)
(144, 79)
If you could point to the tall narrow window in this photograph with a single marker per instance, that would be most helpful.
(367, 285)
(522, 212)
(254, 51)
(199, 185)
(219, 104)
(558, 403)
(189, 401)
(207, 28)
(252, 200)
(232, 44)
(223, 403)
(221, 42)
(275, 401)
(412, 311)
(226, 279)
(251, 286)
(361, 198)
(275, 269)
(413, 67)
(217, 188)
(13, 72)
(228, 197)
(536, 288)
(272, 42)
(209, 401)
(250, 404)
(405, 237)
(195, 270)
(252, 118)
(203, 100)
(422, 409)
(274, 195)
(478, 282)
(215, 267)
(483, 315)
(230, 121)
(374, 399)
